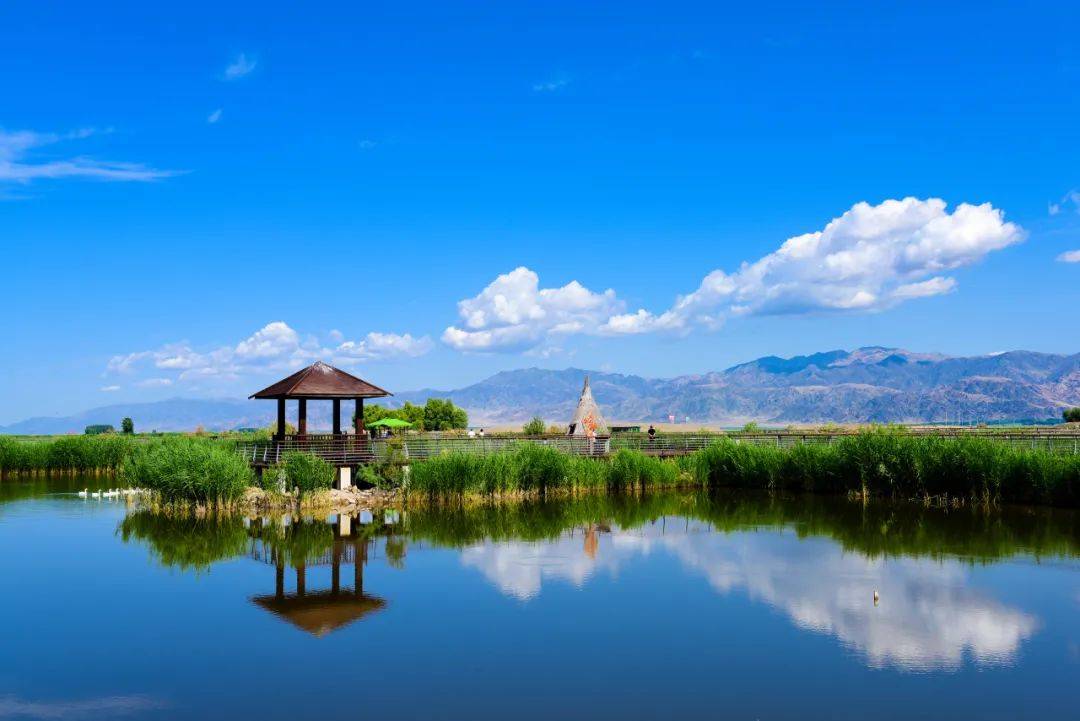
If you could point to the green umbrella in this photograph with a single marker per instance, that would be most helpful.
(390, 423)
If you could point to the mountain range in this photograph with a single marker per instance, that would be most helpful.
(872, 384)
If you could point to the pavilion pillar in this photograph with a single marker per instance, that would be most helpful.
(280, 418)
(279, 580)
(301, 417)
(301, 573)
(358, 569)
(337, 416)
(335, 569)
(359, 421)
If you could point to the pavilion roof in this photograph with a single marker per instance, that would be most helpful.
(320, 380)
(321, 612)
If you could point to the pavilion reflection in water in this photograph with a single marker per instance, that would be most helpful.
(323, 611)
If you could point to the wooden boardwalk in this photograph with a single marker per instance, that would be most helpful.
(350, 450)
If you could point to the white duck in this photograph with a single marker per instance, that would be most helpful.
(84, 493)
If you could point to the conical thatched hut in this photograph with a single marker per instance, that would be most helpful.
(588, 420)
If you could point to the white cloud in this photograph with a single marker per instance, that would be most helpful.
(18, 163)
(241, 66)
(109, 389)
(1070, 256)
(1071, 198)
(514, 312)
(274, 347)
(375, 346)
(273, 340)
(214, 116)
(550, 86)
(871, 258)
(367, 144)
(925, 289)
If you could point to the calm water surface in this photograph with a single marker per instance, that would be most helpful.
(673, 606)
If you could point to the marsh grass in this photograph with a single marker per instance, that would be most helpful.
(884, 462)
(876, 463)
(894, 464)
(305, 471)
(633, 470)
(188, 469)
(536, 469)
(64, 453)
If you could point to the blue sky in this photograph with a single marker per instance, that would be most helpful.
(194, 201)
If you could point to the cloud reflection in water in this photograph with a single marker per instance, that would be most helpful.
(929, 617)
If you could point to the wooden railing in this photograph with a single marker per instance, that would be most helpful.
(341, 449)
(355, 450)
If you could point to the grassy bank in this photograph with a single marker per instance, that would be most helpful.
(188, 469)
(201, 471)
(880, 463)
(81, 454)
(530, 468)
(897, 465)
(874, 463)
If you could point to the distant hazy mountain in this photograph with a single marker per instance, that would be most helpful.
(168, 415)
(868, 384)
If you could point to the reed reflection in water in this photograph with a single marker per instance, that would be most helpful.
(819, 561)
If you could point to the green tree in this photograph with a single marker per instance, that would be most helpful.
(409, 412)
(413, 414)
(535, 427)
(442, 415)
(1071, 415)
(127, 425)
(372, 413)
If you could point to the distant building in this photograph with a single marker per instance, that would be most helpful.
(588, 420)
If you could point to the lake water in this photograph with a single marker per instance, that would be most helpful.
(675, 606)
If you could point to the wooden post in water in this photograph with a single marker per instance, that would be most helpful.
(358, 567)
(335, 569)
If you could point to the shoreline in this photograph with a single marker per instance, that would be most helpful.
(257, 502)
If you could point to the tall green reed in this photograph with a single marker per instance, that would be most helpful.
(64, 453)
(188, 469)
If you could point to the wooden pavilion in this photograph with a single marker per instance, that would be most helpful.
(324, 611)
(320, 381)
